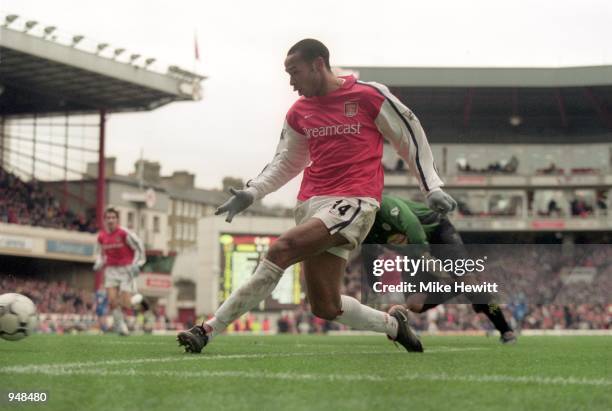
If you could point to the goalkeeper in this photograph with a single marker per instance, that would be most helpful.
(400, 222)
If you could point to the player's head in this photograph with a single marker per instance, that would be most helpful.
(111, 218)
(308, 66)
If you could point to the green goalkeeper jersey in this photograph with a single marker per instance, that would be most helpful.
(402, 221)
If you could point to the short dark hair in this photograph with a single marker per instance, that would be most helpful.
(111, 210)
(310, 49)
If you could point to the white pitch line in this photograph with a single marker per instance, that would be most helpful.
(32, 368)
(130, 372)
(438, 348)
(132, 343)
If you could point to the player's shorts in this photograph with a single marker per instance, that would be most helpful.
(352, 217)
(120, 276)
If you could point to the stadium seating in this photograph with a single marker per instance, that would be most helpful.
(537, 298)
(27, 203)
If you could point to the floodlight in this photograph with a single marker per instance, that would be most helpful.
(10, 18)
(49, 29)
(77, 39)
(30, 25)
(101, 47)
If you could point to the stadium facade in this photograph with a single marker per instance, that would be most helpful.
(521, 149)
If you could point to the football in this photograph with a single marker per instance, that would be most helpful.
(136, 299)
(17, 316)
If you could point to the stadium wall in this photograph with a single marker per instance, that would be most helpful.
(49, 243)
(77, 275)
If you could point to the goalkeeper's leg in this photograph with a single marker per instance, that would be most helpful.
(495, 314)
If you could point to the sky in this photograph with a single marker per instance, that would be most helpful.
(234, 129)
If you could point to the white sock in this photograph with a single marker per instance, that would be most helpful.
(257, 288)
(361, 317)
(118, 320)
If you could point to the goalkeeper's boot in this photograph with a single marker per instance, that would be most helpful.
(405, 336)
(193, 339)
(508, 338)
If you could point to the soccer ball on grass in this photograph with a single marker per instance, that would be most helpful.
(17, 316)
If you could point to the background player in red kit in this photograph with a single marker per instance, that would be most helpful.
(121, 254)
(334, 133)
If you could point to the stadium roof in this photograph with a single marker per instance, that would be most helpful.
(504, 104)
(38, 75)
(543, 77)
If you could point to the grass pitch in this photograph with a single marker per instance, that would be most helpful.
(309, 373)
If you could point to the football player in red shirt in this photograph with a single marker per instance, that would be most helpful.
(334, 133)
(121, 254)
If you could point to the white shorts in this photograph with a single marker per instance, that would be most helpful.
(352, 217)
(120, 276)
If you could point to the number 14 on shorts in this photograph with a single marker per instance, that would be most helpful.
(340, 207)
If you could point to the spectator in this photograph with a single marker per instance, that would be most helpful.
(399, 166)
(28, 204)
(553, 208)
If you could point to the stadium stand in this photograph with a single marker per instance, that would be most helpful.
(64, 309)
(27, 203)
(538, 295)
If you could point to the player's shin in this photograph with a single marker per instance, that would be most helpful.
(258, 287)
(361, 317)
(119, 325)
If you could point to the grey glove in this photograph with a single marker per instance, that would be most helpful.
(441, 202)
(238, 202)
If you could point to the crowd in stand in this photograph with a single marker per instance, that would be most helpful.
(64, 309)
(552, 169)
(537, 290)
(579, 206)
(498, 167)
(455, 317)
(51, 296)
(510, 166)
(28, 203)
